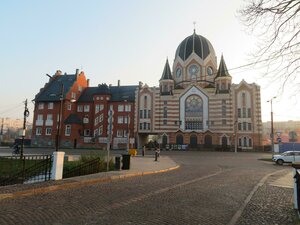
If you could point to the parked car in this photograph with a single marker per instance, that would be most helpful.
(287, 157)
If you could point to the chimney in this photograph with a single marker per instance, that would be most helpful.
(118, 83)
(88, 82)
(58, 72)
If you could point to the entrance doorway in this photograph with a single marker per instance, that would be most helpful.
(193, 141)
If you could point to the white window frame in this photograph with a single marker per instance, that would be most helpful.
(101, 130)
(48, 131)
(96, 120)
(101, 118)
(119, 133)
(49, 117)
(120, 108)
(127, 108)
(120, 120)
(40, 117)
(68, 130)
(38, 131)
(50, 105)
(86, 108)
(69, 106)
(41, 106)
(79, 108)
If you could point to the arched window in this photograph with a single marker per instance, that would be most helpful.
(245, 142)
(207, 141)
(224, 141)
(164, 141)
(194, 113)
(179, 139)
(250, 142)
(193, 141)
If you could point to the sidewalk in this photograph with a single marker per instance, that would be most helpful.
(139, 166)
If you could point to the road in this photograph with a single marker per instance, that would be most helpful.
(208, 188)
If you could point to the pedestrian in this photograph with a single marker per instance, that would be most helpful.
(157, 150)
(144, 150)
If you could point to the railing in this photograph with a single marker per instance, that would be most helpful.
(90, 167)
(26, 169)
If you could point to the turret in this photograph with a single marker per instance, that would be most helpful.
(223, 78)
(166, 82)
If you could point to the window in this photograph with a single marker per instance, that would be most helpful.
(50, 105)
(96, 120)
(240, 142)
(239, 113)
(127, 108)
(145, 113)
(69, 106)
(68, 130)
(73, 95)
(148, 126)
(79, 108)
(101, 130)
(125, 133)
(126, 119)
(86, 119)
(223, 122)
(244, 126)
(244, 112)
(86, 108)
(41, 105)
(224, 110)
(145, 125)
(48, 130)
(249, 126)
(99, 108)
(40, 117)
(165, 122)
(245, 141)
(239, 126)
(38, 131)
(49, 117)
(120, 119)
(86, 132)
(119, 133)
(165, 112)
(120, 108)
(101, 118)
(141, 113)
(145, 99)
(250, 142)
(141, 126)
(249, 112)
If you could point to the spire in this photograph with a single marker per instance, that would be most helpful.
(222, 71)
(194, 36)
(167, 75)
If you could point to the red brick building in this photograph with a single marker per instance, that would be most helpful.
(84, 113)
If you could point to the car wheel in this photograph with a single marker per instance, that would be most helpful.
(280, 162)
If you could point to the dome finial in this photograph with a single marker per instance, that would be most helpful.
(194, 26)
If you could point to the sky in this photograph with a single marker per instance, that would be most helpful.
(126, 40)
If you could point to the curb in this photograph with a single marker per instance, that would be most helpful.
(79, 184)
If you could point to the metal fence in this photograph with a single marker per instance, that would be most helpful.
(25, 169)
(90, 167)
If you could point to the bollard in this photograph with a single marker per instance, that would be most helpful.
(156, 155)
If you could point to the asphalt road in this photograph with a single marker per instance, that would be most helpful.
(208, 188)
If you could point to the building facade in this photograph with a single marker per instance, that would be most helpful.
(196, 105)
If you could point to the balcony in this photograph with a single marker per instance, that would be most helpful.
(39, 122)
(49, 123)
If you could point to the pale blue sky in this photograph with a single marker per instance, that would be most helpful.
(117, 40)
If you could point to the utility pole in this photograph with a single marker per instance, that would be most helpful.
(272, 127)
(26, 114)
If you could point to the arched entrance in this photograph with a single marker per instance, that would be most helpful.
(193, 141)
(164, 141)
(208, 141)
(224, 142)
(179, 139)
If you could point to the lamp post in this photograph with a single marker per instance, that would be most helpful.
(272, 127)
(61, 99)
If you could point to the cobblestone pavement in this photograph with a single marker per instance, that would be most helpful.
(209, 188)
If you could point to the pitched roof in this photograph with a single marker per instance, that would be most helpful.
(52, 90)
(73, 119)
(166, 75)
(222, 71)
(117, 93)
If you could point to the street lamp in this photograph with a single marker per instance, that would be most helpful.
(272, 127)
(61, 99)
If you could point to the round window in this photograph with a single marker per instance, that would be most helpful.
(209, 71)
(193, 70)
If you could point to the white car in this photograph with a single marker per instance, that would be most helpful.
(287, 157)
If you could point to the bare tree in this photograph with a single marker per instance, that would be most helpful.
(276, 23)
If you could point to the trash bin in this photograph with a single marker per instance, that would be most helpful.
(117, 163)
(126, 162)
